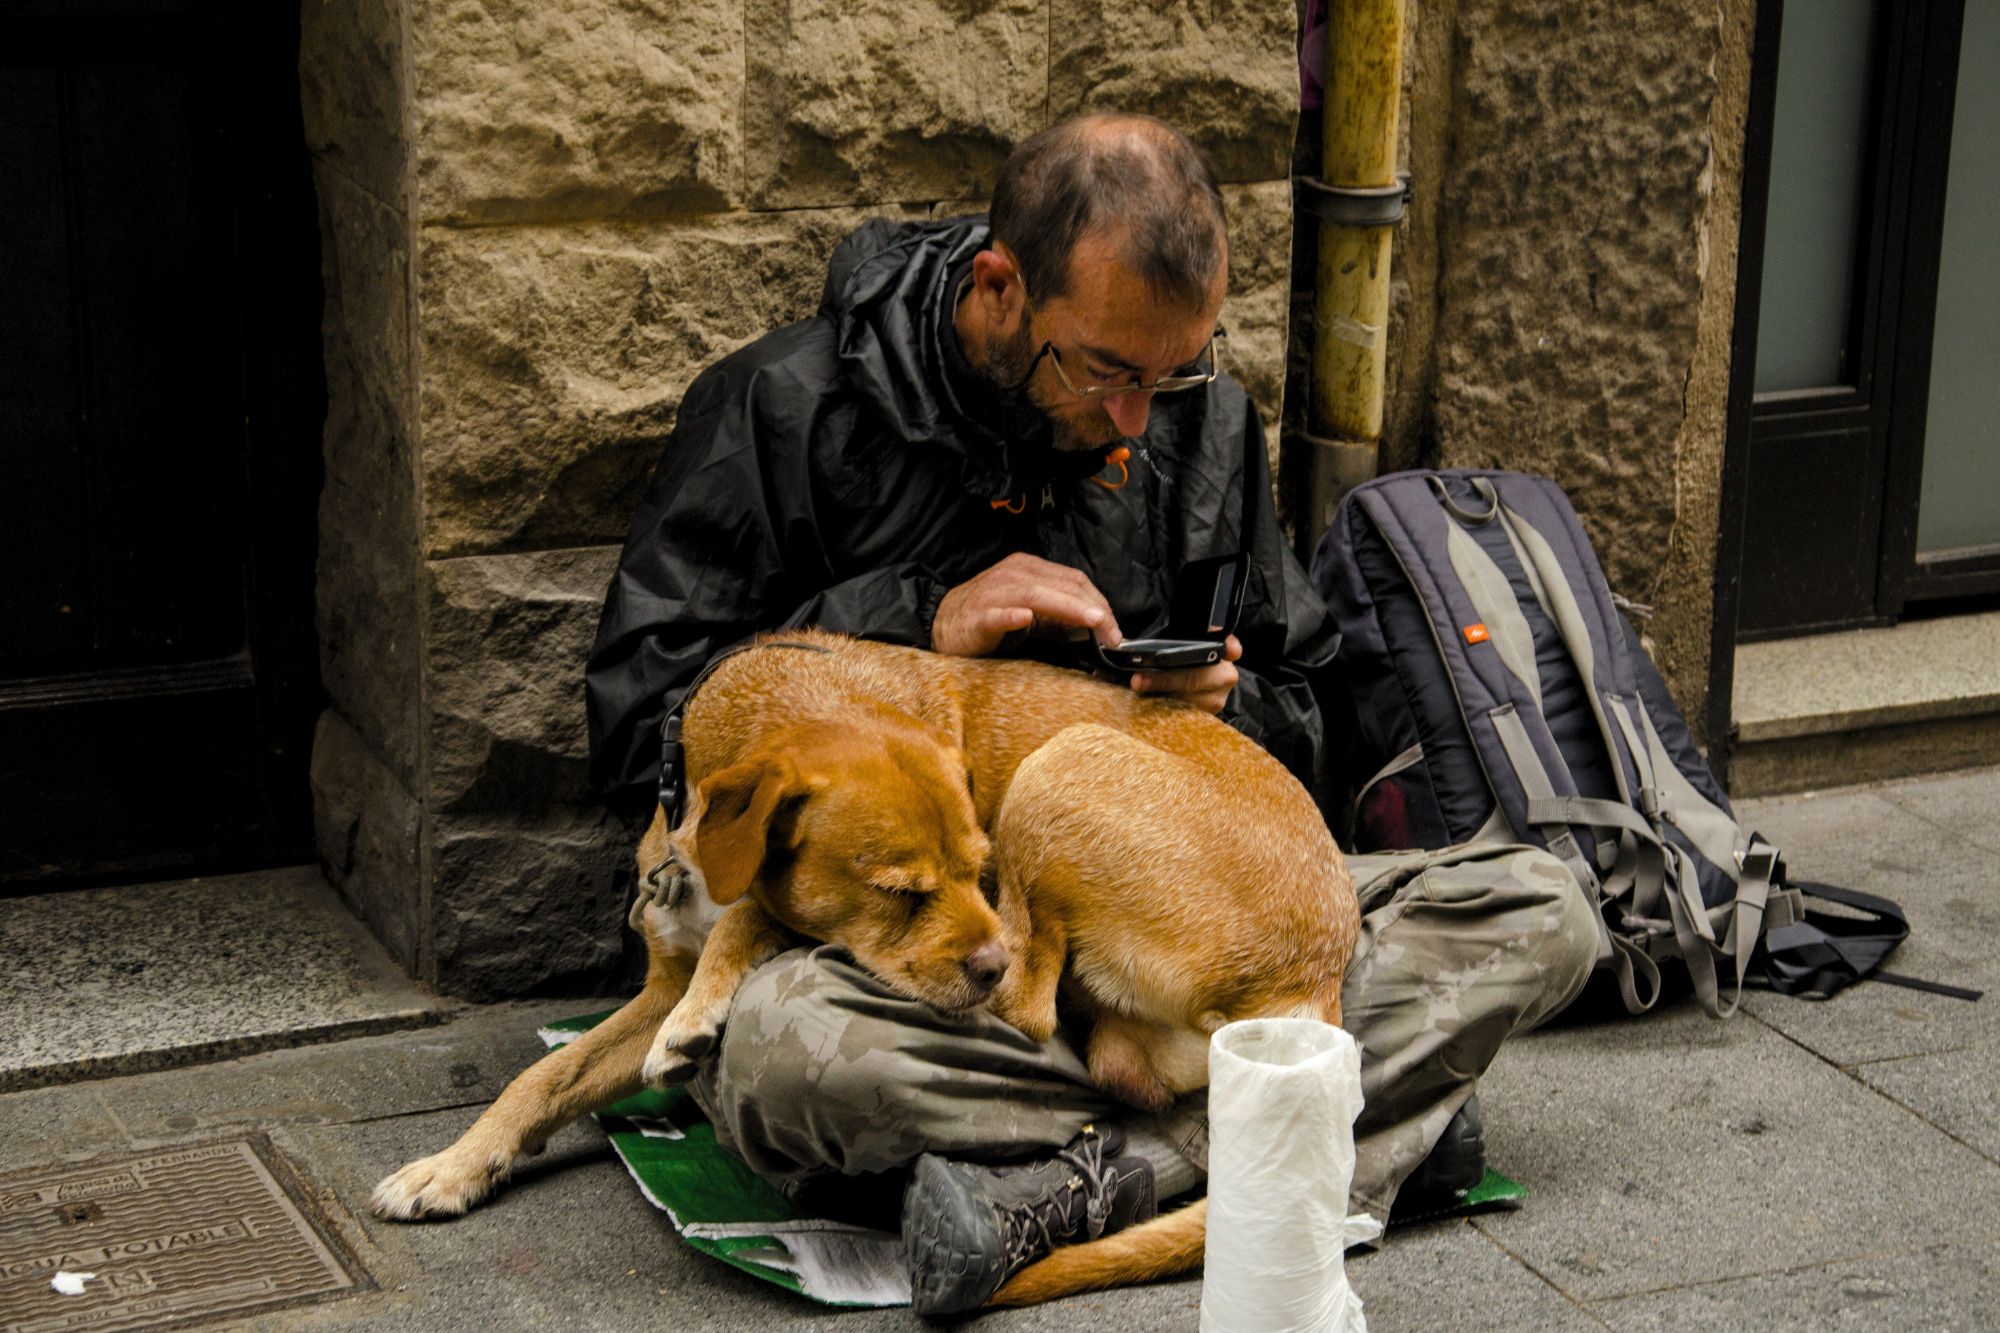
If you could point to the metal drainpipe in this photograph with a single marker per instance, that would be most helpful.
(1358, 201)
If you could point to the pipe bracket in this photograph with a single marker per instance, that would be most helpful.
(1352, 205)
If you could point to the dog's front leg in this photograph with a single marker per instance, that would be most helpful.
(594, 1070)
(742, 940)
(1027, 994)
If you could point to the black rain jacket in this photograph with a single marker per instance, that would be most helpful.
(843, 472)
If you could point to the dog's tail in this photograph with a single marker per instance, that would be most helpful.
(1163, 1247)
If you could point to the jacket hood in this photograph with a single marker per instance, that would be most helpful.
(891, 291)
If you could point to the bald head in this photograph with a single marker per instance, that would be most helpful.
(1141, 183)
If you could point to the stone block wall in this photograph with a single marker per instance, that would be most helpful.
(541, 219)
(1564, 281)
(1585, 260)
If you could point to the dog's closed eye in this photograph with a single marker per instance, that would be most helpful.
(903, 908)
(901, 878)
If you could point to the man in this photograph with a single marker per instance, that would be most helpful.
(929, 461)
(926, 463)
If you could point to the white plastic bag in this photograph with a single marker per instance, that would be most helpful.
(1282, 1097)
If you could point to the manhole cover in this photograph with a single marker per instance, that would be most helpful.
(171, 1236)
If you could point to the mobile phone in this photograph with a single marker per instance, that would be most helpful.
(1208, 598)
(1160, 654)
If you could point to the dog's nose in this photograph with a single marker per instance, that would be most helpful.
(987, 965)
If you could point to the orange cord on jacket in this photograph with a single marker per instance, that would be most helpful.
(1118, 456)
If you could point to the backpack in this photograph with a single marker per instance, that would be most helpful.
(1495, 692)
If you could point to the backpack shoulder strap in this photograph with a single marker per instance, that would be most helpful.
(1481, 640)
(1487, 651)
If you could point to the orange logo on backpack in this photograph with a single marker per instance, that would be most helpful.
(1476, 634)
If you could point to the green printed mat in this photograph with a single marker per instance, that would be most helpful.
(722, 1208)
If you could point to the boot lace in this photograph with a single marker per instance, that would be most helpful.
(1032, 1230)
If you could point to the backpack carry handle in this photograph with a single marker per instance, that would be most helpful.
(1473, 517)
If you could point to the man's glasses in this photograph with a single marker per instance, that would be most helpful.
(1202, 370)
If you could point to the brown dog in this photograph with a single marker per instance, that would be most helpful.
(1174, 872)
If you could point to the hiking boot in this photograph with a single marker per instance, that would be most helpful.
(1455, 1165)
(968, 1228)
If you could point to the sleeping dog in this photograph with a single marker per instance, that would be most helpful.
(972, 831)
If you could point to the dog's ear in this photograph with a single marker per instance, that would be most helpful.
(738, 806)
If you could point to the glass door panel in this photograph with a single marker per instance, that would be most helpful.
(1960, 504)
(1819, 153)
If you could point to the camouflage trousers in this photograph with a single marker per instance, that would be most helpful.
(823, 1069)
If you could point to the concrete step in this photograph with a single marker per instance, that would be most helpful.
(1834, 710)
(100, 982)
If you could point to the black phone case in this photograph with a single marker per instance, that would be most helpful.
(1203, 607)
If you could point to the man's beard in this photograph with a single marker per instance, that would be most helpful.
(1010, 362)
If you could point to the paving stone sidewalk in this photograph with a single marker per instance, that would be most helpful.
(1801, 1166)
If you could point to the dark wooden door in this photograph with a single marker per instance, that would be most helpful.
(160, 402)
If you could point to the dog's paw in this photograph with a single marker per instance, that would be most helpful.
(666, 1067)
(446, 1184)
(676, 1054)
(687, 1036)
(1035, 1016)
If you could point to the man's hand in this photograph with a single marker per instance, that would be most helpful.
(1207, 688)
(1021, 594)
